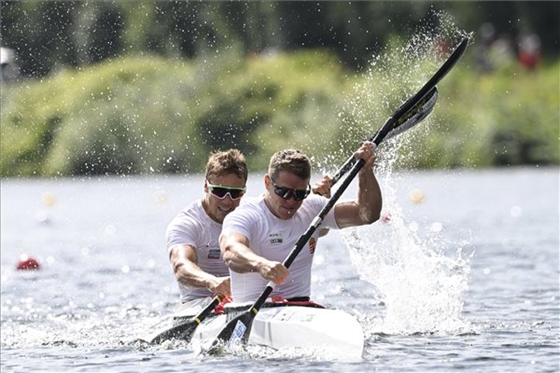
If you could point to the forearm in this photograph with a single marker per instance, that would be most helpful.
(240, 258)
(184, 261)
(189, 274)
(370, 199)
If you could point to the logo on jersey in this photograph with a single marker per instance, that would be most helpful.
(312, 244)
(275, 238)
(213, 248)
(214, 254)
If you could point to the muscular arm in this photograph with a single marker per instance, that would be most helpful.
(240, 258)
(184, 261)
(366, 208)
(323, 188)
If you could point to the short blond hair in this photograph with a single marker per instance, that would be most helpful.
(222, 163)
(292, 161)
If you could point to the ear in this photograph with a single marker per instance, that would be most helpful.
(267, 180)
(206, 186)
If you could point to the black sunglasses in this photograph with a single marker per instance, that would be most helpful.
(221, 191)
(287, 193)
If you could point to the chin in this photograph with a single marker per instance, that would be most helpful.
(287, 214)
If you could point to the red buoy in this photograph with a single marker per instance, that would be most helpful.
(27, 262)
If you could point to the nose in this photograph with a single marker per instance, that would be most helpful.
(228, 199)
(292, 199)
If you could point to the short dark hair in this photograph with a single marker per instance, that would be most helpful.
(227, 162)
(292, 161)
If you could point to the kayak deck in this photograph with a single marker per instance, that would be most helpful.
(333, 332)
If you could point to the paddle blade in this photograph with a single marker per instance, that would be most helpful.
(182, 331)
(415, 115)
(185, 330)
(236, 331)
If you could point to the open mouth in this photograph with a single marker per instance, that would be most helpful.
(224, 209)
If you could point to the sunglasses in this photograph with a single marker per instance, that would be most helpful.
(287, 193)
(221, 191)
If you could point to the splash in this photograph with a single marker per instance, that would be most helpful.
(420, 284)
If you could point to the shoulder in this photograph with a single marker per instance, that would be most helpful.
(315, 198)
(248, 212)
(193, 214)
(248, 200)
(250, 206)
(315, 201)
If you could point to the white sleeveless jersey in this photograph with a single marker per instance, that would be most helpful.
(194, 227)
(274, 239)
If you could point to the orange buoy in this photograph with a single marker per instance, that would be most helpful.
(48, 199)
(417, 196)
(27, 262)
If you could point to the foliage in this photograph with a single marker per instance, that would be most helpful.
(144, 115)
(510, 117)
(154, 115)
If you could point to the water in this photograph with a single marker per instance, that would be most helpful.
(462, 275)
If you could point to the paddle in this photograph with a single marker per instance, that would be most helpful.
(185, 330)
(239, 327)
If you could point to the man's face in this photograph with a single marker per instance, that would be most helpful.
(285, 194)
(218, 201)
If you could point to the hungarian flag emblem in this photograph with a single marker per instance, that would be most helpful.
(312, 244)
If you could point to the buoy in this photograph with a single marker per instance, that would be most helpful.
(42, 217)
(160, 197)
(416, 196)
(48, 199)
(27, 262)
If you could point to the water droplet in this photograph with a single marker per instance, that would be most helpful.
(516, 211)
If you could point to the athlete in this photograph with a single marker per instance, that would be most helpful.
(258, 236)
(192, 236)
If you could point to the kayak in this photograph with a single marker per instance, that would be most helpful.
(294, 325)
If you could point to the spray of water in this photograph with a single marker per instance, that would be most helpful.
(421, 286)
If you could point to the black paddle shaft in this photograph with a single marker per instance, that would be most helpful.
(246, 319)
(377, 138)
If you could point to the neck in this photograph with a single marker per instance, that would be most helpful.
(205, 204)
(268, 204)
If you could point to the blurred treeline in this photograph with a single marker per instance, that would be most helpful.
(50, 34)
(153, 87)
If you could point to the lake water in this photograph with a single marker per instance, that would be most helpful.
(461, 274)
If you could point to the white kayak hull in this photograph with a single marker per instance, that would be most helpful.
(332, 332)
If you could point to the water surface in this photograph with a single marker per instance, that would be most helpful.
(462, 274)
